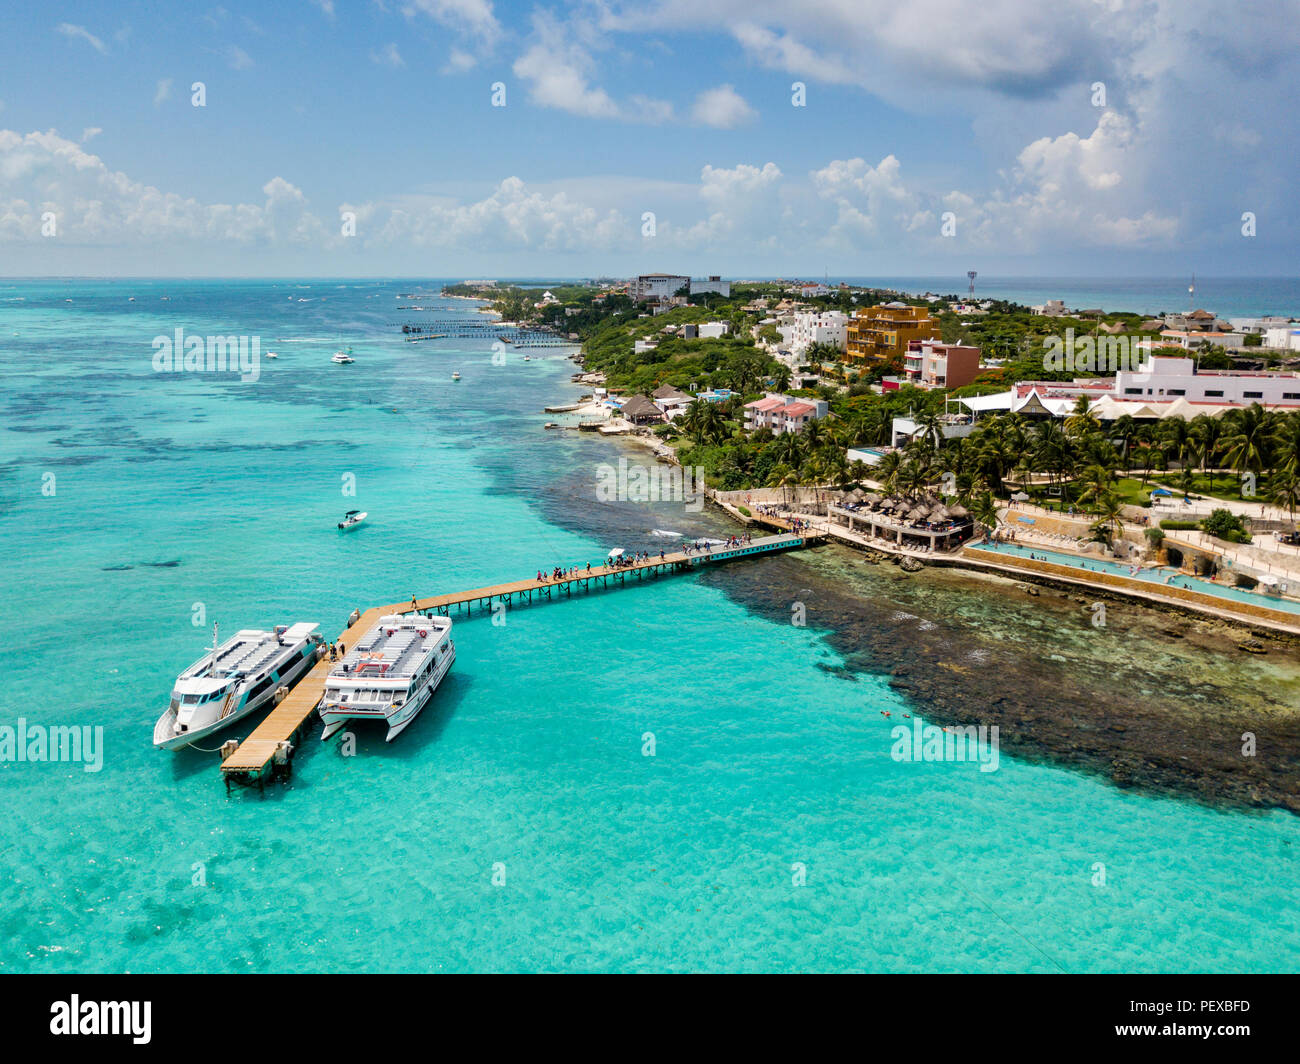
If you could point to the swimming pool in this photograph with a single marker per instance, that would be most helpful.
(1150, 576)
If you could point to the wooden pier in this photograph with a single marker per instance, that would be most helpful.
(270, 746)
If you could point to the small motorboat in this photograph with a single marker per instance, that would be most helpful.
(455, 375)
(272, 354)
(351, 519)
(343, 358)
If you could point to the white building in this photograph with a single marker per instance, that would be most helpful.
(813, 327)
(1177, 378)
(1188, 340)
(657, 286)
(713, 284)
(1283, 337)
(1261, 325)
(714, 330)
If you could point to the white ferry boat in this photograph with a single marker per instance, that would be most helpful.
(390, 674)
(233, 679)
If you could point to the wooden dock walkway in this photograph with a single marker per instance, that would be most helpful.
(271, 743)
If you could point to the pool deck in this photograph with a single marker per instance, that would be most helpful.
(1245, 613)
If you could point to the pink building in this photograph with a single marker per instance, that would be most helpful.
(931, 364)
(780, 413)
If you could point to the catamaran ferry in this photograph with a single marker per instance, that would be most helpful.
(233, 679)
(390, 674)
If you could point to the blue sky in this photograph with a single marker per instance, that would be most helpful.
(986, 117)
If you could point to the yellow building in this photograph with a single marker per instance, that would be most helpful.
(877, 333)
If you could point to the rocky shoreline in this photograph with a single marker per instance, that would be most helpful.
(1185, 743)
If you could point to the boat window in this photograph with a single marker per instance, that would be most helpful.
(191, 700)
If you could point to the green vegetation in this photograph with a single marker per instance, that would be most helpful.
(1077, 465)
(1224, 524)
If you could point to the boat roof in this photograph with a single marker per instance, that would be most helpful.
(246, 651)
(394, 649)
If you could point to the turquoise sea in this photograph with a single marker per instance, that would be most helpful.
(519, 824)
(1228, 297)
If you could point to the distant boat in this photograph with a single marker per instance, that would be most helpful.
(343, 358)
(272, 354)
(455, 375)
(528, 358)
(351, 519)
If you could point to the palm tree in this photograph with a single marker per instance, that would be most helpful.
(930, 426)
(789, 449)
(1286, 442)
(1110, 507)
(1207, 432)
(1245, 446)
(1151, 456)
(1081, 421)
(1052, 450)
(690, 420)
(785, 478)
(712, 424)
(1124, 429)
(911, 476)
(984, 508)
(1177, 436)
(1284, 490)
(1097, 486)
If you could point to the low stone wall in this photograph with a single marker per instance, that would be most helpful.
(800, 496)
